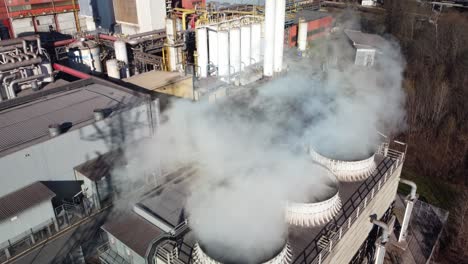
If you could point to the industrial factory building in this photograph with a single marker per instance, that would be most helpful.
(21, 17)
(318, 233)
(68, 119)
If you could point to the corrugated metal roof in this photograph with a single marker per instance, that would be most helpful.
(132, 230)
(101, 166)
(27, 122)
(24, 198)
(364, 39)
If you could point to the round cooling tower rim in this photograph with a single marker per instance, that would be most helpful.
(283, 256)
(313, 214)
(346, 171)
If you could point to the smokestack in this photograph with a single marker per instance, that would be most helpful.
(279, 35)
(269, 38)
(302, 35)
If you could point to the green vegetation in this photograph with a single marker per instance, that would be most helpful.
(433, 191)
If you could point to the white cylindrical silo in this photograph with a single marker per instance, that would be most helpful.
(302, 35)
(279, 35)
(85, 56)
(223, 53)
(245, 46)
(269, 47)
(113, 70)
(255, 42)
(120, 48)
(234, 50)
(213, 47)
(202, 51)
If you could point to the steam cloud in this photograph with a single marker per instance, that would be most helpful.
(250, 150)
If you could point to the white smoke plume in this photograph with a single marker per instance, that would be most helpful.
(251, 149)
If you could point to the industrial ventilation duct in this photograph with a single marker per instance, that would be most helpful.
(283, 257)
(311, 214)
(346, 171)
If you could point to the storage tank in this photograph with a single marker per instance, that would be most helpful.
(120, 48)
(234, 50)
(84, 56)
(213, 47)
(202, 52)
(245, 46)
(113, 70)
(255, 42)
(223, 53)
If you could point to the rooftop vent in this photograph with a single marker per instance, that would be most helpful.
(284, 256)
(99, 114)
(347, 171)
(54, 130)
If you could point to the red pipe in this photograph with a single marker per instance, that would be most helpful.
(64, 42)
(107, 37)
(72, 72)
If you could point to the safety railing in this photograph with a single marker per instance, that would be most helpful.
(321, 246)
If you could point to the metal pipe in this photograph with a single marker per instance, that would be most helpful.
(414, 187)
(11, 66)
(381, 242)
(108, 37)
(9, 58)
(70, 71)
(64, 42)
(10, 48)
(11, 87)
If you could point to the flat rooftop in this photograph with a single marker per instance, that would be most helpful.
(310, 15)
(24, 121)
(365, 40)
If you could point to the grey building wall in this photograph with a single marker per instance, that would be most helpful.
(125, 252)
(55, 158)
(101, 10)
(32, 218)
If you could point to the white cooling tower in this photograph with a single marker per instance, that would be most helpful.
(283, 257)
(347, 171)
(315, 211)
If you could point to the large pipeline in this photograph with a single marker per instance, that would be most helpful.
(12, 66)
(70, 71)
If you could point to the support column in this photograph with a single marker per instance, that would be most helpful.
(32, 237)
(55, 224)
(7, 253)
